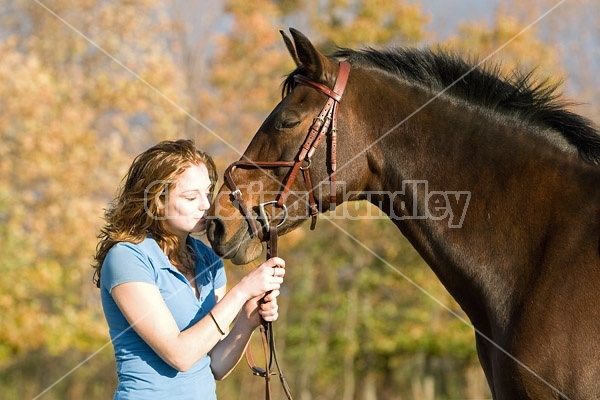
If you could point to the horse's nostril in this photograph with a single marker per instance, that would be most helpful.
(210, 229)
(214, 229)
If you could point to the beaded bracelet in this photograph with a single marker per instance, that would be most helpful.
(216, 323)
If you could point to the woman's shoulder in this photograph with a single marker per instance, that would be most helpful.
(127, 261)
(146, 247)
(146, 253)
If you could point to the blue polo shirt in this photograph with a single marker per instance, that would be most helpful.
(142, 373)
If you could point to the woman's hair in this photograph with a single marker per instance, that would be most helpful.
(138, 208)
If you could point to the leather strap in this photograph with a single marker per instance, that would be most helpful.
(331, 110)
(324, 123)
(268, 336)
(255, 226)
(238, 201)
(272, 250)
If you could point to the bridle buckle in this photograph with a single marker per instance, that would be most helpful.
(263, 216)
(307, 166)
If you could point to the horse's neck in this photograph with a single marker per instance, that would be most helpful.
(463, 189)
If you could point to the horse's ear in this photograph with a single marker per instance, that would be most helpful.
(291, 48)
(316, 64)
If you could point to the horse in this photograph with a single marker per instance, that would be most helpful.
(492, 179)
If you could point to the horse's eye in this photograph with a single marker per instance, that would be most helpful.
(286, 124)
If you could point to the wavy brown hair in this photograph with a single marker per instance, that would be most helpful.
(138, 205)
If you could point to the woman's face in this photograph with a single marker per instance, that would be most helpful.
(188, 200)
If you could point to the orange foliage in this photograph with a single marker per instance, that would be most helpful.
(71, 117)
(75, 106)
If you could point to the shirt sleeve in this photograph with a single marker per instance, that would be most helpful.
(125, 262)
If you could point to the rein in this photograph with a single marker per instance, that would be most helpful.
(268, 337)
(326, 122)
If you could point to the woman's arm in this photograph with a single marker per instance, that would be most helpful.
(228, 353)
(145, 310)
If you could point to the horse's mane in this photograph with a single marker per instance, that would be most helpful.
(530, 100)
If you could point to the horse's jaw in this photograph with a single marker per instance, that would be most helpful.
(247, 251)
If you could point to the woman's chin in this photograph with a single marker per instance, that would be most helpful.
(200, 226)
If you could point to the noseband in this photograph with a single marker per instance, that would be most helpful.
(324, 123)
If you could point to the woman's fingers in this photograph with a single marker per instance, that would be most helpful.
(274, 262)
(265, 278)
(271, 297)
(270, 318)
(273, 271)
(269, 311)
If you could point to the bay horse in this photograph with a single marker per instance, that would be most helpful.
(505, 209)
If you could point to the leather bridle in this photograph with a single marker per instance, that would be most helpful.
(325, 123)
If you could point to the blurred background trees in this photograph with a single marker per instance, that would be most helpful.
(85, 86)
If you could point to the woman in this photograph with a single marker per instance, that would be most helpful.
(163, 291)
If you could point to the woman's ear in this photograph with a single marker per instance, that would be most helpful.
(160, 200)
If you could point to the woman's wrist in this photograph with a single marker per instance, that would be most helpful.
(221, 331)
(247, 322)
(238, 295)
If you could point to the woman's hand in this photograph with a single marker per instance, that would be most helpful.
(264, 307)
(257, 296)
(268, 308)
(266, 277)
(263, 284)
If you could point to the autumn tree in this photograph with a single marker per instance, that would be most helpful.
(83, 88)
(510, 44)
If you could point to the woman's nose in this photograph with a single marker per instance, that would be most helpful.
(204, 202)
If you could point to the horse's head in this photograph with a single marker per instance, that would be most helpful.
(284, 175)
